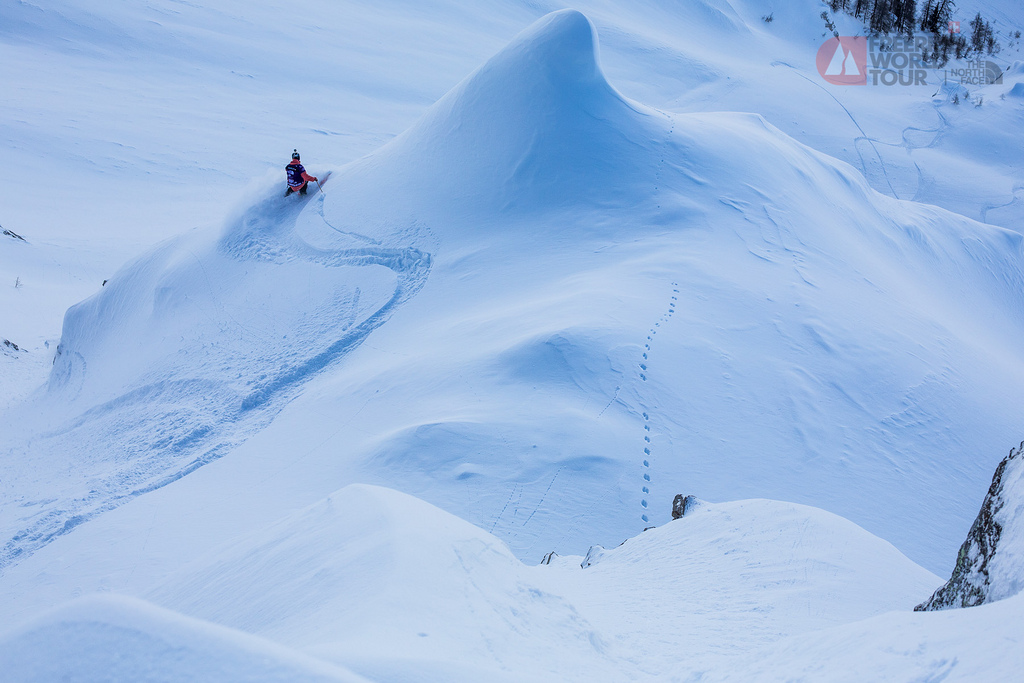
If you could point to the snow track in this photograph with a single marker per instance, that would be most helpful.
(643, 372)
(216, 370)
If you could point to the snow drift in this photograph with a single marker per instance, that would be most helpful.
(981, 644)
(538, 126)
(397, 589)
(383, 581)
(115, 638)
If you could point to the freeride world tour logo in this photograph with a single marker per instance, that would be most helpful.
(844, 60)
(896, 60)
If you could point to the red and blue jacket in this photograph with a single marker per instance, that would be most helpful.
(297, 176)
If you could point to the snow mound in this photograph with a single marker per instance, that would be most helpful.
(990, 565)
(387, 584)
(952, 90)
(121, 639)
(537, 126)
(758, 567)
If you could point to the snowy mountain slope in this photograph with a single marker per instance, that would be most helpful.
(126, 123)
(728, 228)
(112, 638)
(622, 302)
(732, 577)
(388, 582)
(978, 644)
(173, 359)
(399, 590)
(909, 142)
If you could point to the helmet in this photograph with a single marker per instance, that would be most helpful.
(295, 154)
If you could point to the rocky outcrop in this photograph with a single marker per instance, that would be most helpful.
(990, 565)
(9, 348)
(12, 234)
(682, 504)
(594, 555)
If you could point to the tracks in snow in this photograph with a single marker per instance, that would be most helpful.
(167, 427)
(643, 372)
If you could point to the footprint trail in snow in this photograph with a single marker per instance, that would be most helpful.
(648, 456)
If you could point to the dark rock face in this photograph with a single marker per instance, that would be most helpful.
(594, 555)
(990, 565)
(9, 348)
(681, 504)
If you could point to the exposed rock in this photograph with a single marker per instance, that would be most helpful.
(550, 556)
(9, 348)
(682, 504)
(990, 565)
(11, 233)
(595, 553)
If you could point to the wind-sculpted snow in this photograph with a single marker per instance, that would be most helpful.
(536, 128)
(114, 638)
(384, 583)
(954, 646)
(191, 349)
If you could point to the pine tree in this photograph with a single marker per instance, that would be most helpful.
(905, 13)
(982, 37)
(936, 14)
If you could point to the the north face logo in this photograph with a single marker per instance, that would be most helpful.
(844, 60)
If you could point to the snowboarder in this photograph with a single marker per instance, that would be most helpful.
(297, 176)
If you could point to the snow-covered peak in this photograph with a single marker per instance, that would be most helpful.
(990, 565)
(536, 125)
(560, 48)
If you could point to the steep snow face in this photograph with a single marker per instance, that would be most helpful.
(538, 126)
(399, 590)
(190, 348)
(115, 638)
(990, 565)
